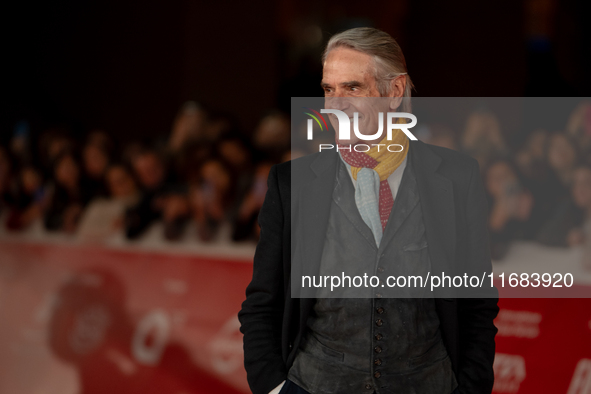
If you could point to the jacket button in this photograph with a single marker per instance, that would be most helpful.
(377, 374)
(377, 349)
(381, 269)
(377, 362)
(379, 337)
(368, 387)
(379, 322)
(380, 310)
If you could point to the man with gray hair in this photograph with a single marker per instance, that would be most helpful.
(346, 213)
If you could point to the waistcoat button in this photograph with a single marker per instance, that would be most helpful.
(377, 349)
(379, 322)
(377, 374)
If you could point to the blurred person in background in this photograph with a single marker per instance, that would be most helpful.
(563, 227)
(537, 176)
(29, 199)
(578, 126)
(188, 126)
(581, 195)
(510, 206)
(130, 151)
(159, 194)
(210, 197)
(100, 138)
(236, 152)
(68, 195)
(553, 194)
(245, 224)
(5, 179)
(562, 156)
(121, 184)
(219, 123)
(105, 215)
(482, 138)
(272, 137)
(20, 144)
(570, 219)
(440, 135)
(582, 190)
(96, 159)
(175, 215)
(531, 158)
(196, 133)
(52, 143)
(582, 198)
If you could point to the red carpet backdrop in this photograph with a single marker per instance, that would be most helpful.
(78, 319)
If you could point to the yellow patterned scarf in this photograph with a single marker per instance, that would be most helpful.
(388, 161)
(375, 208)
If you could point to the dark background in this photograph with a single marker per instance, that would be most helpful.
(127, 66)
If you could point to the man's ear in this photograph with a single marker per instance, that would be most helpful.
(397, 88)
(395, 103)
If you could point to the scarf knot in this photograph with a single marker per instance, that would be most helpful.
(371, 170)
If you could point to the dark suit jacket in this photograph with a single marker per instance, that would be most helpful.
(455, 217)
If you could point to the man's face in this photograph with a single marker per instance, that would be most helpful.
(348, 80)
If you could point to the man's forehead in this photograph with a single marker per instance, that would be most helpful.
(344, 64)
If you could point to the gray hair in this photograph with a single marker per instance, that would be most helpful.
(388, 59)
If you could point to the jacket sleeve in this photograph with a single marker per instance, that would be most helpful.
(476, 328)
(262, 312)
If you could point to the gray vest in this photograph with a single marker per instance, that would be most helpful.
(374, 344)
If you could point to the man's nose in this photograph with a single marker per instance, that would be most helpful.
(337, 102)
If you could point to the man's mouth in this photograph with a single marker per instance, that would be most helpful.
(351, 117)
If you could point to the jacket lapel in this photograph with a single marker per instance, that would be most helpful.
(406, 195)
(344, 187)
(437, 202)
(314, 200)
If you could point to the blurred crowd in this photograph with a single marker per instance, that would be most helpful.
(540, 191)
(206, 175)
(209, 175)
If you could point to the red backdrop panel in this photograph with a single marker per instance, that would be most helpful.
(78, 319)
